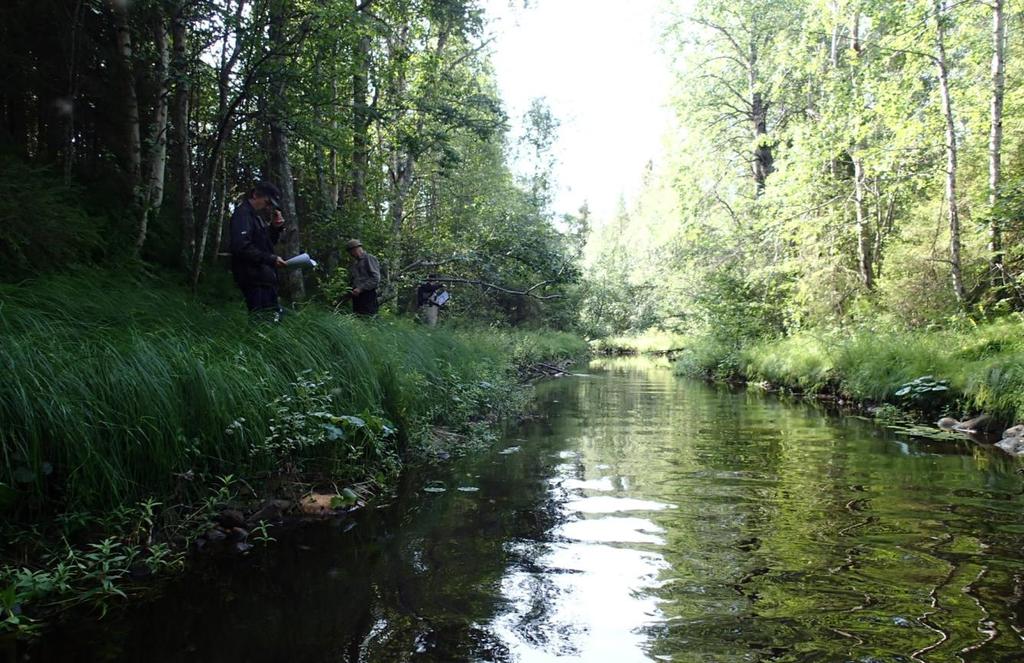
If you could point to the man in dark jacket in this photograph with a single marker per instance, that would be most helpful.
(363, 278)
(253, 261)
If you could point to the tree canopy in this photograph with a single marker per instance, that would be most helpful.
(834, 162)
(378, 119)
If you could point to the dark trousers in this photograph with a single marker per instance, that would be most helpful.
(365, 303)
(261, 299)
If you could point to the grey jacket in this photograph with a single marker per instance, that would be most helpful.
(364, 273)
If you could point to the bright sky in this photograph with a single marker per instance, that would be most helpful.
(598, 65)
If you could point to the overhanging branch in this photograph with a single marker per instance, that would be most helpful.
(529, 292)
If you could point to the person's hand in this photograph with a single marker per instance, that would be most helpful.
(356, 292)
(279, 262)
(278, 220)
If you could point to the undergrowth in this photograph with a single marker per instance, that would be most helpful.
(120, 391)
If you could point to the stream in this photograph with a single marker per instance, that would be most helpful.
(638, 517)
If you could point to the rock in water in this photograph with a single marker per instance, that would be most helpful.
(230, 518)
(271, 511)
(237, 534)
(1012, 445)
(947, 423)
(1014, 431)
(215, 535)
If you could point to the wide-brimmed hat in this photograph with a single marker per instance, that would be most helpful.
(352, 244)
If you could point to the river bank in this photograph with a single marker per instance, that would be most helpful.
(957, 372)
(139, 420)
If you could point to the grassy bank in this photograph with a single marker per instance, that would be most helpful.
(650, 342)
(125, 403)
(981, 366)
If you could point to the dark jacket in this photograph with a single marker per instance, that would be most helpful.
(252, 248)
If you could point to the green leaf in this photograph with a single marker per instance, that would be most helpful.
(343, 500)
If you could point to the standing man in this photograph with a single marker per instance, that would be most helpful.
(426, 302)
(253, 261)
(363, 278)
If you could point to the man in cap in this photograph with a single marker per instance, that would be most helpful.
(363, 278)
(253, 261)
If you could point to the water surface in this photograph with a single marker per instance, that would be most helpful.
(640, 517)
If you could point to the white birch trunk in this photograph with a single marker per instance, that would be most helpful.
(995, 142)
(153, 196)
(131, 101)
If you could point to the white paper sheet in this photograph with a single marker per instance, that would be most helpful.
(301, 260)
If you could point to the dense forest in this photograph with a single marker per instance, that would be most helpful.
(377, 119)
(834, 162)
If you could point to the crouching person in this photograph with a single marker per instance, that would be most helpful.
(253, 261)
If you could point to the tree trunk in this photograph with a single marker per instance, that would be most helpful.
(222, 206)
(208, 182)
(401, 182)
(883, 228)
(69, 108)
(763, 158)
(995, 142)
(280, 162)
(225, 115)
(951, 154)
(133, 133)
(332, 158)
(863, 229)
(855, 32)
(182, 139)
(360, 130)
(153, 196)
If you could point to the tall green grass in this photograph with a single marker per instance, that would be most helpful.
(114, 385)
(984, 364)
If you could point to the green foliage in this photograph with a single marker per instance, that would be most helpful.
(922, 390)
(652, 341)
(120, 384)
(95, 573)
(979, 368)
(709, 356)
(801, 361)
(45, 227)
(847, 227)
(304, 431)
